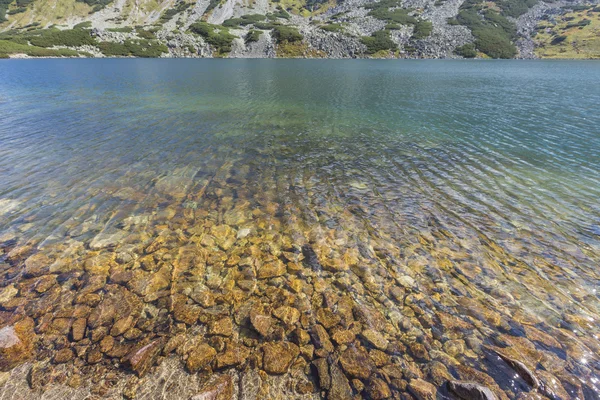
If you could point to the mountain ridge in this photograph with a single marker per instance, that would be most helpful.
(300, 28)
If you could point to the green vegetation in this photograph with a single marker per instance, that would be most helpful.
(379, 41)
(572, 34)
(17, 11)
(386, 10)
(516, 8)
(171, 12)
(125, 29)
(244, 20)
(96, 5)
(280, 13)
(467, 51)
(144, 34)
(55, 37)
(494, 34)
(422, 29)
(134, 48)
(12, 47)
(217, 36)
(252, 36)
(487, 20)
(332, 27)
(283, 33)
(83, 25)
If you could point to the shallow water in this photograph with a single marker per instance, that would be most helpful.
(458, 201)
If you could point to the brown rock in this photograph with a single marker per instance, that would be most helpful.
(289, 315)
(379, 358)
(200, 357)
(36, 265)
(78, 329)
(377, 389)
(63, 356)
(340, 387)
(221, 327)
(106, 344)
(94, 356)
(327, 318)
(343, 337)
(471, 391)
(235, 354)
(356, 363)
(375, 338)
(278, 357)
(16, 344)
(271, 270)
(422, 390)
(44, 283)
(320, 338)
(121, 326)
(304, 387)
(141, 359)
(187, 313)
(219, 388)
(419, 351)
(261, 323)
(322, 367)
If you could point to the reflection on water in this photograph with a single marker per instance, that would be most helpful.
(361, 228)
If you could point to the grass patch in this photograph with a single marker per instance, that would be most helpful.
(133, 48)
(422, 29)
(10, 47)
(55, 37)
(96, 5)
(217, 36)
(379, 41)
(386, 10)
(244, 20)
(573, 34)
(283, 33)
(171, 12)
(494, 34)
(467, 51)
(332, 27)
(124, 29)
(252, 36)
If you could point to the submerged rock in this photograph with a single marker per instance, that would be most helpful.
(16, 344)
(200, 357)
(278, 357)
(143, 358)
(219, 388)
(471, 391)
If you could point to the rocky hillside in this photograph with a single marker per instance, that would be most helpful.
(296, 28)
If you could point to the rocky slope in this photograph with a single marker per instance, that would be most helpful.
(262, 28)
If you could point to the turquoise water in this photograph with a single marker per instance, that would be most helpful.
(478, 179)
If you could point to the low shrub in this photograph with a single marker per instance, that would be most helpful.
(252, 36)
(17, 11)
(558, 39)
(124, 29)
(217, 36)
(379, 41)
(69, 37)
(134, 48)
(283, 33)
(467, 50)
(332, 28)
(422, 29)
(244, 20)
(83, 25)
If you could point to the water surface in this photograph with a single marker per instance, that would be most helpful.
(456, 199)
